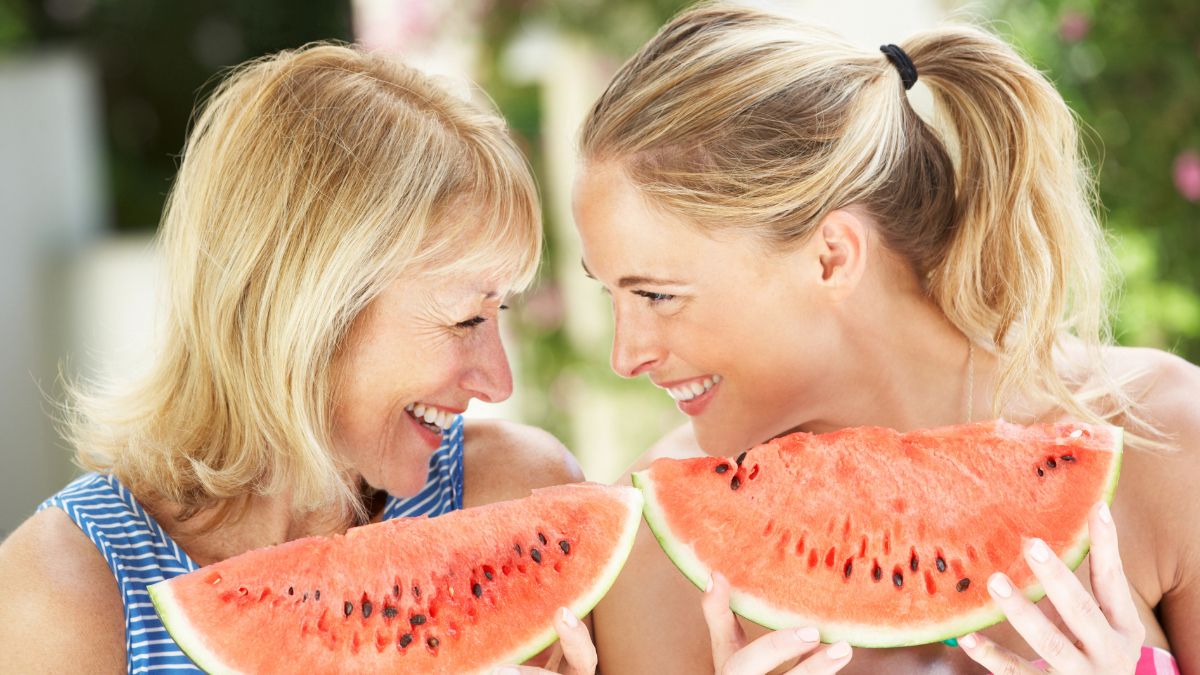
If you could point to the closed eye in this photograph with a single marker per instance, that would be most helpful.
(655, 298)
(475, 320)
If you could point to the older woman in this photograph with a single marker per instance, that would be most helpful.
(339, 244)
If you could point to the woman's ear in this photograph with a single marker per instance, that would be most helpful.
(839, 246)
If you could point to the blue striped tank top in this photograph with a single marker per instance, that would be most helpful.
(140, 553)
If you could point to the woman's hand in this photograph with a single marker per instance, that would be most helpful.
(579, 654)
(1108, 631)
(732, 656)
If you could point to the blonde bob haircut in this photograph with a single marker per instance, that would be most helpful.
(310, 180)
(732, 117)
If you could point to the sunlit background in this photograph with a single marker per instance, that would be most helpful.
(95, 96)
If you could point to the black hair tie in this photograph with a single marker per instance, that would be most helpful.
(908, 72)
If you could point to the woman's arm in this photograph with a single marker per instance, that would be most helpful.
(61, 609)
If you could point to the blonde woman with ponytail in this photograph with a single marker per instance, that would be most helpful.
(790, 246)
(338, 245)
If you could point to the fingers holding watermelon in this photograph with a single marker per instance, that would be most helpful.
(1108, 629)
(578, 651)
(733, 656)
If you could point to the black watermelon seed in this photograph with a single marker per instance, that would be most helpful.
(846, 570)
(735, 483)
(416, 592)
(536, 555)
(1040, 472)
(941, 564)
(488, 575)
(477, 590)
(1051, 463)
(317, 595)
(912, 562)
(565, 546)
(417, 619)
(348, 608)
(390, 612)
(406, 639)
(1068, 458)
(722, 468)
(741, 457)
(366, 608)
(897, 579)
(291, 591)
(962, 585)
(396, 590)
(433, 643)
(517, 548)
(876, 573)
(542, 538)
(304, 598)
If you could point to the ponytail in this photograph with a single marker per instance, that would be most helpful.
(1027, 259)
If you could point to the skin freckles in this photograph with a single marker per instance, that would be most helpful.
(423, 340)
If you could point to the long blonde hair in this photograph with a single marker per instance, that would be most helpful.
(310, 180)
(733, 117)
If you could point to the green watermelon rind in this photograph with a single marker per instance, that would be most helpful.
(757, 610)
(174, 619)
(635, 501)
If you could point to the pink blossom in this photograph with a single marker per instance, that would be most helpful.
(1074, 26)
(1187, 175)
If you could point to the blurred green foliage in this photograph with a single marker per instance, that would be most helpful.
(155, 60)
(1131, 70)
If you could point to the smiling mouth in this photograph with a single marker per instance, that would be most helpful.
(435, 419)
(690, 390)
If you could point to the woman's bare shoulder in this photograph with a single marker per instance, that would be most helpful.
(679, 443)
(62, 610)
(505, 460)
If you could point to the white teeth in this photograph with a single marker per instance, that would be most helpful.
(690, 390)
(431, 415)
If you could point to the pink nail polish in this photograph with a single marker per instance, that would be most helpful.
(1000, 586)
(708, 588)
(969, 641)
(568, 618)
(1105, 514)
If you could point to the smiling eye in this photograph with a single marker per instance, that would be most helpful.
(470, 323)
(655, 298)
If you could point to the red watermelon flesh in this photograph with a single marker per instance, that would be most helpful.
(459, 593)
(881, 538)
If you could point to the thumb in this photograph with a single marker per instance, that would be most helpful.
(576, 641)
(725, 634)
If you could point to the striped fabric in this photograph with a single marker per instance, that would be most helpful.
(140, 553)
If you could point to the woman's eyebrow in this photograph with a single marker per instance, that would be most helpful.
(628, 281)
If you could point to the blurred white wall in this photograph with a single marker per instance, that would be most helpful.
(52, 205)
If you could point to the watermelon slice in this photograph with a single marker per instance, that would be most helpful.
(459, 593)
(879, 538)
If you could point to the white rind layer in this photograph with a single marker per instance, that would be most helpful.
(762, 612)
(175, 621)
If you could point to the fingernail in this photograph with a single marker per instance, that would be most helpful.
(808, 634)
(1039, 551)
(507, 670)
(1105, 514)
(969, 641)
(839, 650)
(999, 585)
(708, 588)
(567, 617)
